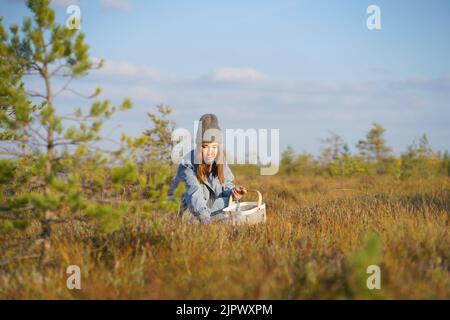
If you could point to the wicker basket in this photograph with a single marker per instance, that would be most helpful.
(246, 212)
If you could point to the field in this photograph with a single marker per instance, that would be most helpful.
(320, 237)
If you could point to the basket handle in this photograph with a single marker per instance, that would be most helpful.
(230, 201)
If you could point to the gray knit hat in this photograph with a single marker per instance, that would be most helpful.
(209, 129)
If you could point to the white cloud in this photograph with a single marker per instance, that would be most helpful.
(129, 71)
(126, 69)
(118, 70)
(238, 75)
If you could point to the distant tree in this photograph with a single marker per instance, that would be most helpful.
(445, 164)
(423, 148)
(148, 156)
(334, 146)
(306, 165)
(337, 159)
(374, 148)
(159, 138)
(349, 165)
(419, 160)
(287, 160)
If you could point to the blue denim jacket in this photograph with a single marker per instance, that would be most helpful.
(202, 198)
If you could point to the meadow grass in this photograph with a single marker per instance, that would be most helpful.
(320, 237)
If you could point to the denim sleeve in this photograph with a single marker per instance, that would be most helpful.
(194, 193)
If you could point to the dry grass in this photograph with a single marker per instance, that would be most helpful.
(320, 237)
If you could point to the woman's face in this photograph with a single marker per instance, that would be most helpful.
(209, 152)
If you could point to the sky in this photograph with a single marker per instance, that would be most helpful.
(307, 68)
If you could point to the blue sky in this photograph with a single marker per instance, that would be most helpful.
(305, 67)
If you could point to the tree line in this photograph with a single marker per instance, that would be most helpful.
(374, 157)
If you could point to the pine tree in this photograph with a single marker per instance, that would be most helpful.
(374, 148)
(334, 146)
(419, 160)
(148, 162)
(288, 158)
(45, 148)
(159, 138)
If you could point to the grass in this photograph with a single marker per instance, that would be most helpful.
(320, 237)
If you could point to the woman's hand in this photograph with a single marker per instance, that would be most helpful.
(238, 192)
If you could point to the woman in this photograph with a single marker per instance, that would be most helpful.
(208, 179)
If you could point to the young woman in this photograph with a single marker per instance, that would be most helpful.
(208, 179)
